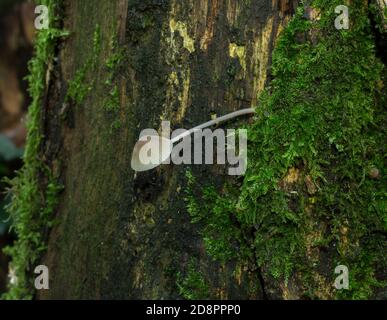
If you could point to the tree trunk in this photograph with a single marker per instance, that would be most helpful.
(124, 235)
(312, 198)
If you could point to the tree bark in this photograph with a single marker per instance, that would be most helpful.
(120, 235)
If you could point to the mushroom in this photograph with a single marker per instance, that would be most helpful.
(160, 148)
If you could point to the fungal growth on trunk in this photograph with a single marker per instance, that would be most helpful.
(160, 148)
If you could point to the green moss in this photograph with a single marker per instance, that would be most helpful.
(317, 136)
(34, 190)
(193, 285)
(379, 16)
(116, 58)
(223, 239)
(111, 104)
(79, 87)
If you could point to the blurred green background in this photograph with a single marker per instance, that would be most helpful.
(16, 40)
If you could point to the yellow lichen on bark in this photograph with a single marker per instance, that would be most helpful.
(181, 28)
(239, 52)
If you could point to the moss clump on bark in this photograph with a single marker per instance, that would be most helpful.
(313, 194)
(223, 239)
(79, 87)
(111, 104)
(34, 190)
(193, 286)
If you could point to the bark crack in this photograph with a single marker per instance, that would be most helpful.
(262, 283)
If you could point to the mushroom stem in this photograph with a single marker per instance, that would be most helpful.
(214, 122)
